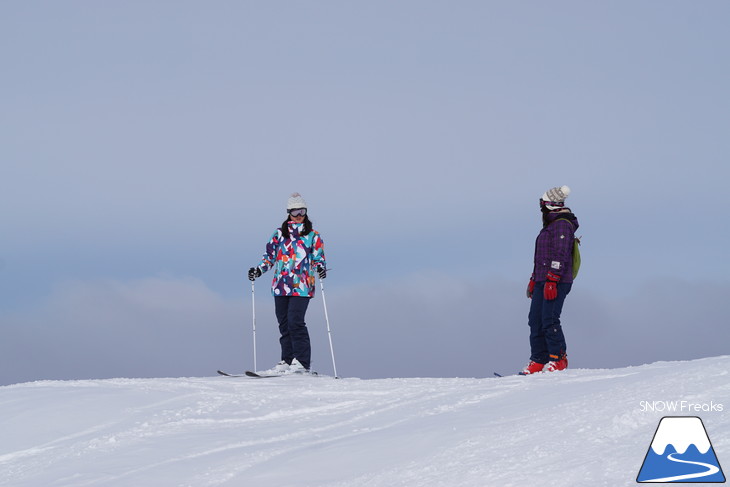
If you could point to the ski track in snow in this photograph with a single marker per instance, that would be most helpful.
(573, 428)
(711, 470)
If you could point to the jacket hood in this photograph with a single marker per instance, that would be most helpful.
(566, 214)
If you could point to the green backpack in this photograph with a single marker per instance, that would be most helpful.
(576, 250)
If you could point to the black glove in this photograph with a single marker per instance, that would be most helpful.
(321, 271)
(253, 273)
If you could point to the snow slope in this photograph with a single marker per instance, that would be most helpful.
(572, 428)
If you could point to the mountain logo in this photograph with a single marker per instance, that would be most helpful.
(681, 452)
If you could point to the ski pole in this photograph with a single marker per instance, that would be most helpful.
(329, 332)
(253, 308)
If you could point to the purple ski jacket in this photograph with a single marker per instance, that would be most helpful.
(554, 247)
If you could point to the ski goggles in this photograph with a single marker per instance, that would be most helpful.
(298, 212)
(551, 203)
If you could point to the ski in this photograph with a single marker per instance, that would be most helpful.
(260, 376)
(500, 375)
(255, 375)
(248, 373)
(226, 374)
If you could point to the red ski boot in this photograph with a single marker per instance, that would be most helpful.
(532, 368)
(556, 363)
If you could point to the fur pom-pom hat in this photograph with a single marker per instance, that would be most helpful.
(295, 201)
(554, 198)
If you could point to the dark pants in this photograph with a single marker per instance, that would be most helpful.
(546, 334)
(290, 311)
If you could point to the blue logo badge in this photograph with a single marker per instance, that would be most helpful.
(681, 452)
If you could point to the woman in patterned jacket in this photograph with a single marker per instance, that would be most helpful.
(551, 281)
(295, 252)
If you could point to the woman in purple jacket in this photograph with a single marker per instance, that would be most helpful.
(551, 280)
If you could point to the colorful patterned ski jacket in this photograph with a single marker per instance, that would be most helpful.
(294, 260)
(554, 247)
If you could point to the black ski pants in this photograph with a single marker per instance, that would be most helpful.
(290, 311)
(546, 333)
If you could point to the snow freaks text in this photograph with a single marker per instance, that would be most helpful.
(679, 407)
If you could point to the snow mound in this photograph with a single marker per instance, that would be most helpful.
(571, 428)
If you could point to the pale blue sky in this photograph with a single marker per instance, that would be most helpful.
(148, 149)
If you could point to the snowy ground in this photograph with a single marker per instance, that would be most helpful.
(574, 428)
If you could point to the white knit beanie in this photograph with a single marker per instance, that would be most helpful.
(295, 201)
(555, 197)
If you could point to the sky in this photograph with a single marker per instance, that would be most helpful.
(148, 149)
